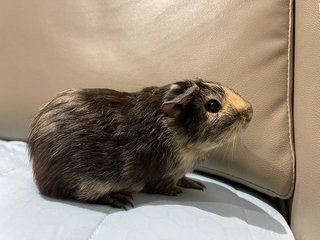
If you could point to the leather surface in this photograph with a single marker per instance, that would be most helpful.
(47, 47)
(306, 202)
(222, 211)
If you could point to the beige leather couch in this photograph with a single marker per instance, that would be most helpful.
(267, 50)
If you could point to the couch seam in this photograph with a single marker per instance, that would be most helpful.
(97, 228)
(289, 113)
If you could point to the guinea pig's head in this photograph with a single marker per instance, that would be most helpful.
(205, 114)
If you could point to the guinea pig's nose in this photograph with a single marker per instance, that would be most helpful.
(247, 114)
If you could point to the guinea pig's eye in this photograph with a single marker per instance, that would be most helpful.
(213, 106)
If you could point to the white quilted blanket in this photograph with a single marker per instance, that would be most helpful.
(220, 212)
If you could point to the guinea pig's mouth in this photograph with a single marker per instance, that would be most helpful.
(246, 116)
(243, 125)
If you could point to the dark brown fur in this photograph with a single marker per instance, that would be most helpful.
(101, 145)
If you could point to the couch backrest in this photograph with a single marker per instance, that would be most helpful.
(48, 46)
(306, 201)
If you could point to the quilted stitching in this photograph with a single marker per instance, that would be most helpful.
(97, 228)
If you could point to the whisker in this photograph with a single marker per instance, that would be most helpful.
(226, 150)
(233, 147)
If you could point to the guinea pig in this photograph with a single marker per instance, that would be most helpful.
(102, 145)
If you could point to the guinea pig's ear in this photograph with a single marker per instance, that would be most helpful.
(174, 107)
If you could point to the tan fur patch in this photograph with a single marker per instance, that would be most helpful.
(188, 160)
(235, 100)
(191, 157)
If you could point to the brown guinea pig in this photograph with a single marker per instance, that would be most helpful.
(101, 145)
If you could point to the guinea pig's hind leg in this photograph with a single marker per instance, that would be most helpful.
(95, 191)
(116, 199)
(190, 183)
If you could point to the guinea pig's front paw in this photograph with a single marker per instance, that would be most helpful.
(190, 183)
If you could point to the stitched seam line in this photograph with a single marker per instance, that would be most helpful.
(290, 124)
(97, 228)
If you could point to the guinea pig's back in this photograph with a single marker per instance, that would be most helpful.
(75, 135)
